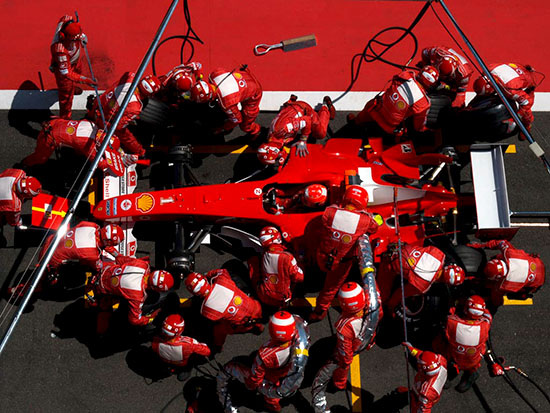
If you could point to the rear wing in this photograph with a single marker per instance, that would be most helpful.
(491, 193)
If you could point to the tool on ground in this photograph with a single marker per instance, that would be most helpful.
(288, 45)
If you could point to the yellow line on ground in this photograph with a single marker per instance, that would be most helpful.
(240, 150)
(355, 378)
(511, 149)
(507, 301)
(235, 149)
(60, 213)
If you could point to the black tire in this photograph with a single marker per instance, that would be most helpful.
(486, 114)
(470, 259)
(155, 113)
(439, 105)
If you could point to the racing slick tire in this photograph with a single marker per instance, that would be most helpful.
(470, 259)
(439, 106)
(486, 116)
(155, 113)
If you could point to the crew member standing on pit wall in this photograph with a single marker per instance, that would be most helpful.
(454, 71)
(66, 62)
(111, 100)
(513, 272)
(231, 89)
(517, 83)
(296, 118)
(406, 97)
(344, 238)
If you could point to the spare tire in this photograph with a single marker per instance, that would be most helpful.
(155, 113)
(485, 114)
(471, 259)
(439, 104)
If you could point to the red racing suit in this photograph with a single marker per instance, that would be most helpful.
(404, 98)
(458, 80)
(518, 84)
(177, 350)
(271, 364)
(168, 91)
(276, 275)
(66, 65)
(427, 389)
(235, 311)
(81, 243)
(298, 118)
(466, 340)
(338, 247)
(82, 136)
(526, 273)
(111, 100)
(128, 281)
(234, 88)
(422, 266)
(10, 201)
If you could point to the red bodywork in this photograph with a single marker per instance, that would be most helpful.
(331, 165)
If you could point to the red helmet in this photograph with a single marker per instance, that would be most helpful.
(428, 77)
(454, 274)
(173, 325)
(352, 297)
(183, 82)
(149, 85)
(28, 187)
(357, 196)
(197, 284)
(315, 195)
(270, 236)
(429, 363)
(111, 235)
(495, 269)
(282, 326)
(475, 307)
(483, 87)
(202, 92)
(447, 66)
(161, 280)
(71, 31)
(270, 154)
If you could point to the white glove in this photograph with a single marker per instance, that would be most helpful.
(128, 160)
(301, 149)
(84, 39)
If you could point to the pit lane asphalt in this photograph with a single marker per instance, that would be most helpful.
(45, 373)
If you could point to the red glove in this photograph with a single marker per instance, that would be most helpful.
(496, 370)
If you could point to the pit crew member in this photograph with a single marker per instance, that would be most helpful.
(517, 83)
(355, 332)
(226, 304)
(344, 238)
(175, 349)
(232, 88)
(454, 70)
(296, 119)
(15, 187)
(429, 380)
(512, 271)
(177, 83)
(129, 280)
(66, 63)
(422, 266)
(466, 336)
(405, 98)
(275, 276)
(312, 197)
(82, 136)
(111, 100)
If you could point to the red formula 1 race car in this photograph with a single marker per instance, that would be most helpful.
(391, 177)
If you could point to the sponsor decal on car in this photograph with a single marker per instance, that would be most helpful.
(145, 203)
(126, 204)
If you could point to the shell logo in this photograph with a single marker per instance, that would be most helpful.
(237, 75)
(114, 281)
(273, 279)
(70, 130)
(237, 300)
(411, 261)
(69, 243)
(533, 267)
(346, 239)
(112, 103)
(145, 203)
(471, 351)
(400, 105)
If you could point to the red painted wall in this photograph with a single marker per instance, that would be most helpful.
(120, 31)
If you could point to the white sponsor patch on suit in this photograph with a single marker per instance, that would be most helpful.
(519, 270)
(270, 263)
(410, 92)
(345, 221)
(283, 356)
(427, 266)
(227, 84)
(84, 237)
(6, 184)
(219, 298)
(132, 277)
(468, 335)
(505, 73)
(85, 129)
(170, 352)
(440, 381)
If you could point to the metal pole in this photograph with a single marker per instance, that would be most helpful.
(63, 227)
(534, 146)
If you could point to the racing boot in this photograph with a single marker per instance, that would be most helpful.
(452, 374)
(327, 101)
(466, 381)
